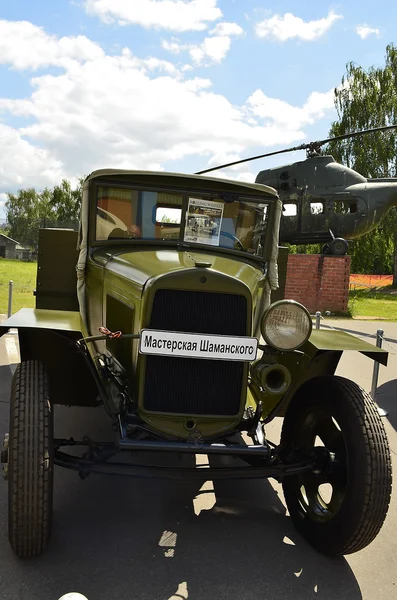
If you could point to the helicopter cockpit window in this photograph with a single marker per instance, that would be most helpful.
(345, 207)
(290, 209)
(316, 208)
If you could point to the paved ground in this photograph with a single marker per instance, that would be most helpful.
(119, 539)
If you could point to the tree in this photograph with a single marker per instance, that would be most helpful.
(24, 211)
(364, 100)
(66, 202)
(28, 210)
(5, 229)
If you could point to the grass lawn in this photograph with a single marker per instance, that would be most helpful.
(377, 304)
(23, 274)
(380, 303)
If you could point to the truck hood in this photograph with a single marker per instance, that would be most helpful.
(141, 265)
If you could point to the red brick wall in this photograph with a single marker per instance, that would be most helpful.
(319, 282)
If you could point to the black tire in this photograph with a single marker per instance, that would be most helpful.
(338, 247)
(30, 461)
(344, 417)
(325, 249)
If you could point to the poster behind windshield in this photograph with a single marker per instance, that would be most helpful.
(203, 221)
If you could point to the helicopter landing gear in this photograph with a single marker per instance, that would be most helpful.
(337, 247)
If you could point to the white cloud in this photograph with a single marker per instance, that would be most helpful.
(233, 173)
(174, 15)
(284, 114)
(365, 31)
(151, 64)
(174, 46)
(214, 48)
(286, 27)
(126, 112)
(25, 165)
(227, 29)
(26, 46)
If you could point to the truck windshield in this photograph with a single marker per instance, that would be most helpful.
(204, 219)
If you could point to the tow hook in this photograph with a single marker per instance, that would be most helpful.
(4, 455)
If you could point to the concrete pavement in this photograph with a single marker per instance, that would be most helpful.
(116, 538)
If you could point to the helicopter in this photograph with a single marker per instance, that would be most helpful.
(324, 201)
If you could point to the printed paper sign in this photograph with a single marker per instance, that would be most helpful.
(198, 345)
(203, 221)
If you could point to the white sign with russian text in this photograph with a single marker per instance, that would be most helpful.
(198, 345)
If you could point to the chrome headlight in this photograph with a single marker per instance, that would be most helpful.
(286, 325)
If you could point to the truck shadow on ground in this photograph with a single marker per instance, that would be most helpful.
(116, 538)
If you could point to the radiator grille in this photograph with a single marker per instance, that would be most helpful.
(195, 386)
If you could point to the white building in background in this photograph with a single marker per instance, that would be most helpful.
(10, 248)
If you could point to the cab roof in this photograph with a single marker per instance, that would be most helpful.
(183, 180)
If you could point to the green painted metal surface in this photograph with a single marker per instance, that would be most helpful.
(140, 266)
(340, 340)
(328, 197)
(181, 180)
(61, 320)
(55, 289)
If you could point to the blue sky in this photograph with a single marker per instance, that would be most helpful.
(179, 85)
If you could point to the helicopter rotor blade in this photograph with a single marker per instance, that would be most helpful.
(346, 136)
(308, 146)
(239, 162)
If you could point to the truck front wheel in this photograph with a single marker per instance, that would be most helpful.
(30, 461)
(341, 507)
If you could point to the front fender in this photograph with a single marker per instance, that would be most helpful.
(324, 339)
(318, 357)
(50, 336)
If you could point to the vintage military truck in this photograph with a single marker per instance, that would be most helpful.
(171, 322)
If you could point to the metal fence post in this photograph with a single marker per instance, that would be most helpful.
(375, 374)
(10, 285)
(318, 318)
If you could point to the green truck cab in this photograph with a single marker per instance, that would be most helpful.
(166, 310)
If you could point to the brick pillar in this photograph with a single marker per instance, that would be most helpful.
(318, 282)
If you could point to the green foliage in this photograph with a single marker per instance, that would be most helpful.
(24, 211)
(304, 248)
(67, 201)
(5, 229)
(367, 99)
(374, 253)
(28, 210)
(166, 219)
